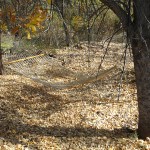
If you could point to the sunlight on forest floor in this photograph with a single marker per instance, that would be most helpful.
(36, 117)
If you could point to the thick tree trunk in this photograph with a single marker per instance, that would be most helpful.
(141, 54)
(1, 64)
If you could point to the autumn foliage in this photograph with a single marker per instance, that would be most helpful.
(15, 20)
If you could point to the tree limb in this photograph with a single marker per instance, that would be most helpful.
(122, 15)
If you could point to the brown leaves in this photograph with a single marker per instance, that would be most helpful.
(35, 117)
(30, 24)
(15, 30)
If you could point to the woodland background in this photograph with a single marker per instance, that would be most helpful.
(76, 35)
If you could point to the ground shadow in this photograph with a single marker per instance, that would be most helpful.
(12, 126)
(24, 96)
(12, 130)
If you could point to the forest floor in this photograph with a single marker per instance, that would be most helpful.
(91, 117)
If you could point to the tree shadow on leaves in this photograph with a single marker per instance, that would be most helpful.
(37, 99)
(12, 130)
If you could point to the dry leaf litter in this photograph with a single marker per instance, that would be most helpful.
(38, 117)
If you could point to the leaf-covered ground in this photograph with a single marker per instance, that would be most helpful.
(36, 117)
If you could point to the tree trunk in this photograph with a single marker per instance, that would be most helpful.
(141, 54)
(1, 64)
(67, 38)
(142, 73)
(60, 10)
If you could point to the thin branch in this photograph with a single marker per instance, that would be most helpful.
(123, 69)
(118, 10)
(110, 39)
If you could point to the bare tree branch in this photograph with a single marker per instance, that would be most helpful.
(118, 10)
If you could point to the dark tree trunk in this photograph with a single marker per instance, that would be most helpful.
(60, 7)
(141, 55)
(67, 38)
(1, 64)
(142, 72)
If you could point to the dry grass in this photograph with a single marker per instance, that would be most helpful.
(33, 116)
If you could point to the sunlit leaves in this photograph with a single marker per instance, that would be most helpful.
(31, 27)
(28, 35)
(77, 22)
(30, 23)
(3, 27)
(35, 21)
(49, 1)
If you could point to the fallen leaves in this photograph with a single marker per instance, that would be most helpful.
(89, 118)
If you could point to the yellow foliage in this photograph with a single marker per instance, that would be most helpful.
(30, 23)
(33, 28)
(35, 21)
(77, 22)
(49, 1)
(28, 35)
(3, 27)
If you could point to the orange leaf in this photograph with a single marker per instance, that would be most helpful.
(13, 18)
(14, 30)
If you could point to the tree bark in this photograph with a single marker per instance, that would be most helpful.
(1, 64)
(118, 10)
(142, 73)
(60, 9)
(141, 55)
(139, 34)
(67, 38)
